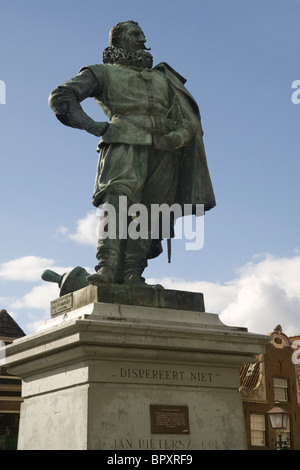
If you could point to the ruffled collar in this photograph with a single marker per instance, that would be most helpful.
(119, 56)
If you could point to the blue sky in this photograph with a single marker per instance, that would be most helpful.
(240, 59)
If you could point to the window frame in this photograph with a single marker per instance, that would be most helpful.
(263, 430)
(285, 398)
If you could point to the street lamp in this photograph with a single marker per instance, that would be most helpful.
(278, 418)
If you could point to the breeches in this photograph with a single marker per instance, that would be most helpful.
(142, 173)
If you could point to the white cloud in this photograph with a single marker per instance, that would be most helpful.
(61, 231)
(33, 309)
(26, 268)
(265, 293)
(39, 297)
(86, 230)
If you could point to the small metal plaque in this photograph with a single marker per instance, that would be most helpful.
(169, 419)
(61, 304)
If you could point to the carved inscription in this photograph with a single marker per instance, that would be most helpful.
(165, 444)
(200, 377)
(159, 374)
(188, 375)
(151, 444)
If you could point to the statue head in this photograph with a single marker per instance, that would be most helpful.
(127, 35)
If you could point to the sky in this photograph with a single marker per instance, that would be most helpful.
(240, 60)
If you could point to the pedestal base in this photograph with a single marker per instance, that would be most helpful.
(112, 376)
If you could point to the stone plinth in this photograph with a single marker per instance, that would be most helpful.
(114, 376)
(128, 295)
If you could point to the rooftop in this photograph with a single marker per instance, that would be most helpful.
(8, 327)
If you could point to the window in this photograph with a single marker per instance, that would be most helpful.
(281, 389)
(258, 429)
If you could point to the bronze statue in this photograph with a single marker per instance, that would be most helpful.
(151, 150)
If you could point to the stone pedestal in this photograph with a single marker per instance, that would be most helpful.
(115, 376)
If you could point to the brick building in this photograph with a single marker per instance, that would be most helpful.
(10, 387)
(272, 377)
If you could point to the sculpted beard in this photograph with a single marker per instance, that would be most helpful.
(116, 55)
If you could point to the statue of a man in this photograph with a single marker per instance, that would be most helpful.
(151, 151)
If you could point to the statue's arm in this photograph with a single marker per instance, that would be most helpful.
(65, 102)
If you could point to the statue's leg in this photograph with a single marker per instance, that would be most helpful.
(121, 172)
(159, 187)
(110, 250)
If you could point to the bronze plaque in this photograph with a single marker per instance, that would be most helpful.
(169, 419)
(61, 304)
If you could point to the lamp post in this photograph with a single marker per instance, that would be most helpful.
(278, 418)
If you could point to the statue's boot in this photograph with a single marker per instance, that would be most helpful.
(136, 256)
(136, 261)
(108, 253)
